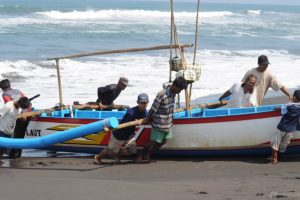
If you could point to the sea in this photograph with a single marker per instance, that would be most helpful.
(230, 38)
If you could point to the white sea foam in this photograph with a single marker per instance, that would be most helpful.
(80, 79)
(109, 17)
(126, 14)
(254, 12)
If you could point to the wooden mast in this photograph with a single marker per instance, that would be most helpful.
(59, 83)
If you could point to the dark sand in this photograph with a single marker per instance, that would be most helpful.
(193, 178)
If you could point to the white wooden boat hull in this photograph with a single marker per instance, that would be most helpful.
(219, 135)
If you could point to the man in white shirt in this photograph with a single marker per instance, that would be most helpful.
(8, 117)
(242, 94)
(265, 80)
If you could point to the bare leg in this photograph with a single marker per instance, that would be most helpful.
(274, 159)
(99, 157)
(154, 149)
(1, 154)
(147, 148)
(151, 150)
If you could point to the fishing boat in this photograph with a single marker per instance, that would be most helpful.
(197, 131)
(225, 131)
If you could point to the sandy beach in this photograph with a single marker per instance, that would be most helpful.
(194, 178)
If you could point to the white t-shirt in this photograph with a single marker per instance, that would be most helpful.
(239, 99)
(265, 80)
(8, 116)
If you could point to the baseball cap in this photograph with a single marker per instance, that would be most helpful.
(262, 59)
(143, 98)
(124, 80)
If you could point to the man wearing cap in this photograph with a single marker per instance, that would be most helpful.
(108, 93)
(121, 136)
(265, 80)
(161, 118)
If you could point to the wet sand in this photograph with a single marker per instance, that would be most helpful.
(193, 178)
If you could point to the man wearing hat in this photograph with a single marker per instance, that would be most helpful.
(265, 80)
(121, 136)
(108, 93)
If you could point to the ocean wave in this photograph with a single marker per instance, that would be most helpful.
(289, 37)
(112, 17)
(254, 12)
(220, 69)
(126, 14)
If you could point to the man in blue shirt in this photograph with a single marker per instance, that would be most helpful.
(120, 137)
(288, 124)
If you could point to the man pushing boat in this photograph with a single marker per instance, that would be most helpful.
(161, 117)
(108, 93)
(119, 138)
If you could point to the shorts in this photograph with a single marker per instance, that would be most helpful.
(281, 140)
(159, 136)
(115, 145)
(4, 135)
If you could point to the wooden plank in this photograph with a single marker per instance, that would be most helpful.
(212, 105)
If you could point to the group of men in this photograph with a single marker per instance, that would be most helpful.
(249, 92)
(254, 86)
(15, 101)
(159, 115)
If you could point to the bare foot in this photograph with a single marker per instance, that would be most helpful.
(274, 162)
(97, 160)
(117, 161)
(269, 158)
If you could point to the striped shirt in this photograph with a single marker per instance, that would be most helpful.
(162, 110)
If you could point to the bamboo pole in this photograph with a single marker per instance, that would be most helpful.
(96, 106)
(187, 102)
(171, 41)
(212, 105)
(132, 123)
(121, 51)
(38, 112)
(59, 82)
(196, 33)
(30, 114)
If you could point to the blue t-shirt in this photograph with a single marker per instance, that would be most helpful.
(290, 120)
(131, 115)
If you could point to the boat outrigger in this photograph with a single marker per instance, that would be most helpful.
(197, 130)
